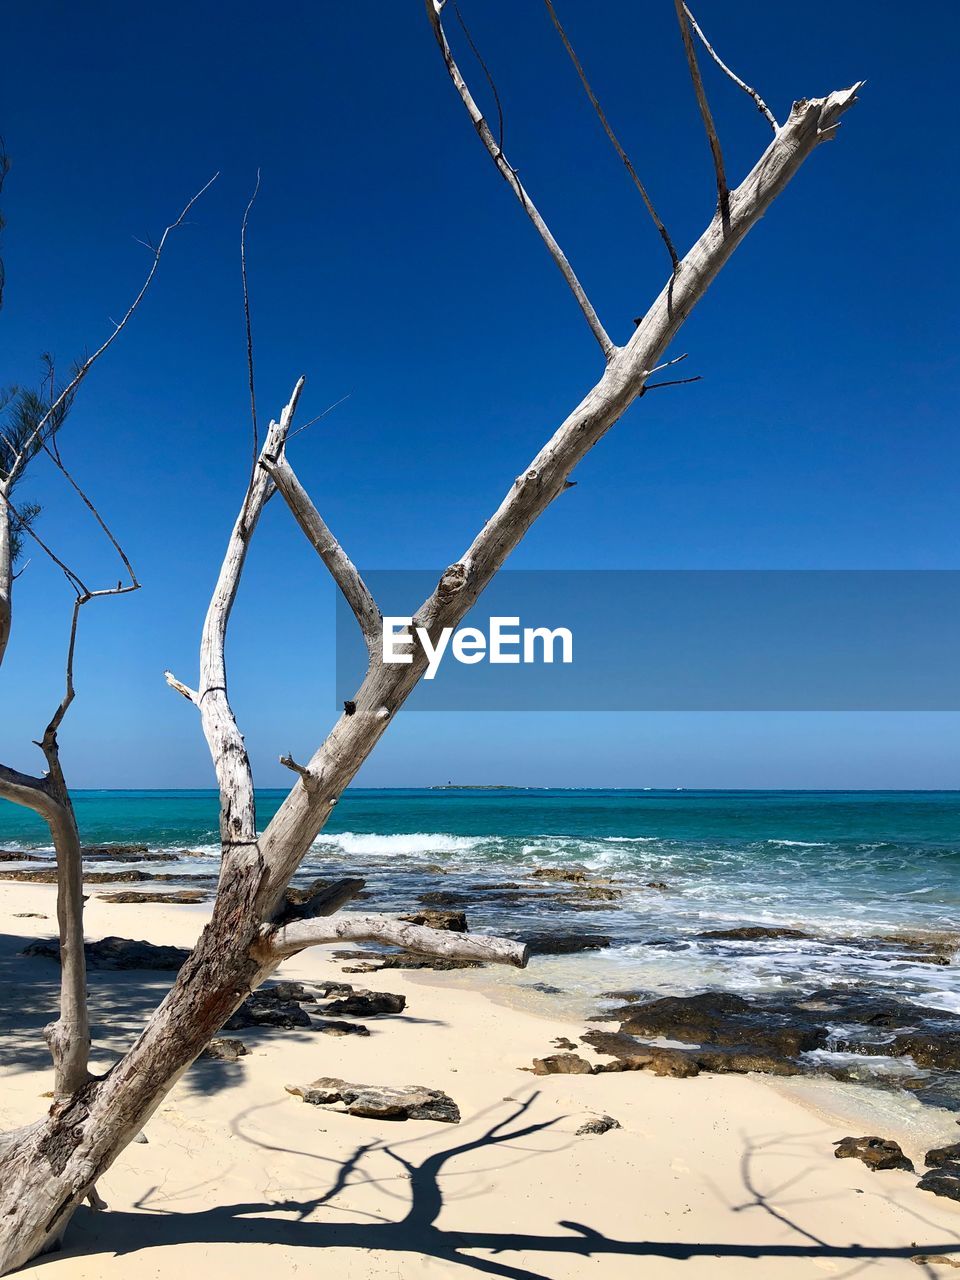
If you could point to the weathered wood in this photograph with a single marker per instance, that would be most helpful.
(356, 927)
(341, 567)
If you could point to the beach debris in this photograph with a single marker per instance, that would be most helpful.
(939, 1156)
(876, 1153)
(453, 921)
(183, 896)
(562, 944)
(225, 1049)
(599, 1124)
(29, 915)
(366, 1004)
(380, 1102)
(944, 1181)
(334, 1027)
(934, 1259)
(117, 953)
(561, 1064)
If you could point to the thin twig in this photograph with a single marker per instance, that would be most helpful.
(601, 115)
(85, 368)
(486, 71)
(723, 191)
(741, 84)
(320, 416)
(246, 317)
(54, 454)
(667, 363)
(509, 174)
(24, 527)
(673, 382)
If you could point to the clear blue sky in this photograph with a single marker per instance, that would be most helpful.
(390, 263)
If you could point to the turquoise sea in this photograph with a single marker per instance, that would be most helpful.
(848, 868)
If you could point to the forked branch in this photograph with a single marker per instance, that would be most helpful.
(509, 174)
(341, 567)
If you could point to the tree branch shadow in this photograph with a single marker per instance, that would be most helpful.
(416, 1232)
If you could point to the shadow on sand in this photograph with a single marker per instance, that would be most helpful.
(417, 1232)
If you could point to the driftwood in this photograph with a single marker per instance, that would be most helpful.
(47, 1169)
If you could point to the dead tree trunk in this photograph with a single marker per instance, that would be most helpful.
(47, 1169)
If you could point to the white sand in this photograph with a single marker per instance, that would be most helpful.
(712, 1177)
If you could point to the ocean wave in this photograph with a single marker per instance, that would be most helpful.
(361, 842)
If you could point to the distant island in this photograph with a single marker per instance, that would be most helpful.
(467, 786)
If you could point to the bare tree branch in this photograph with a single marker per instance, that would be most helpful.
(288, 939)
(723, 191)
(118, 328)
(509, 174)
(608, 130)
(752, 93)
(341, 567)
(246, 319)
(238, 821)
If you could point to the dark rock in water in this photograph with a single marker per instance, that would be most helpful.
(944, 1181)
(90, 877)
(601, 1124)
(562, 1064)
(562, 944)
(452, 921)
(725, 1019)
(633, 1055)
(753, 933)
(115, 851)
(657, 884)
(502, 884)
(936, 1048)
(381, 1102)
(138, 895)
(264, 1009)
(17, 855)
(876, 1153)
(544, 988)
(575, 875)
(367, 1004)
(332, 1027)
(445, 898)
(628, 996)
(940, 1156)
(595, 893)
(118, 953)
(225, 1049)
(125, 853)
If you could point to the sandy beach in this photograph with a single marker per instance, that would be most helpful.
(713, 1176)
